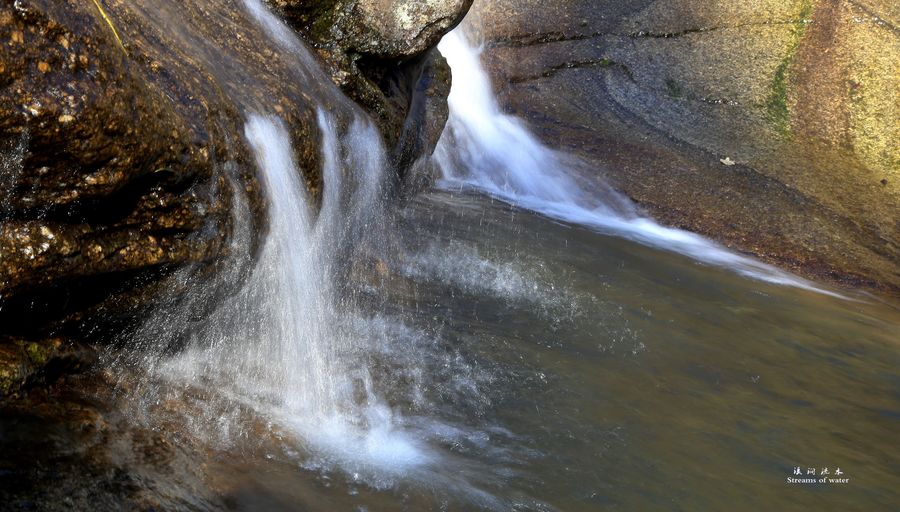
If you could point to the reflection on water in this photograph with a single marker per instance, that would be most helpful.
(542, 366)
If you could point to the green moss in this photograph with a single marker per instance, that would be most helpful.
(20, 360)
(320, 16)
(37, 354)
(777, 107)
(605, 62)
(7, 381)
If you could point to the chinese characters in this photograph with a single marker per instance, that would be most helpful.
(817, 475)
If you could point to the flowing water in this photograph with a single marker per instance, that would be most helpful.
(541, 347)
(487, 150)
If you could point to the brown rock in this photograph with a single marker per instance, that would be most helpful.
(801, 95)
(380, 53)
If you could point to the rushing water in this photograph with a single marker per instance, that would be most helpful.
(289, 345)
(487, 150)
(474, 355)
(298, 343)
(465, 353)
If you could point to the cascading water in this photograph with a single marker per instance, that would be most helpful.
(287, 346)
(290, 344)
(308, 355)
(484, 149)
(294, 347)
(454, 354)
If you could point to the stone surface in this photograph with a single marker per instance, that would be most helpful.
(72, 446)
(801, 96)
(123, 165)
(380, 52)
(103, 179)
(25, 364)
(387, 29)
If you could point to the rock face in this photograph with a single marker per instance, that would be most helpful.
(802, 96)
(381, 53)
(104, 180)
(388, 29)
(122, 156)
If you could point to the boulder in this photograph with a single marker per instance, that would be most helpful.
(800, 96)
(381, 53)
(396, 30)
(125, 178)
(104, 180)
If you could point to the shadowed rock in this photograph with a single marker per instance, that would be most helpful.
(381, 53)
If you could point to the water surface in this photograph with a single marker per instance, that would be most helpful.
(539, 365)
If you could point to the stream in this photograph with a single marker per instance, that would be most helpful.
(520, 337)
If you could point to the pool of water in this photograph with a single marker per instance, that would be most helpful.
(528, 364)
(644, 380)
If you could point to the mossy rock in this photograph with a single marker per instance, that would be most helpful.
(28, 363)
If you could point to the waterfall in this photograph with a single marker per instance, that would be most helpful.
(297, 333)
(294, 347)
(290, 344)
(486, 150)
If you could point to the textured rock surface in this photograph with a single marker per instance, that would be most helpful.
(71, 446)
(122, 156)
(24, 364)
(104, 180)
(388, 29)
(803, 96)
(380, 52)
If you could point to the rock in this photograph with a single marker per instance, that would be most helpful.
(400, 29)
(387, 29)
(802, 94)
(24, 364)
(381, 53)
(123, 165)
(99, 169)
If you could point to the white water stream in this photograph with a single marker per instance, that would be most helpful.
(485, 149)
(340, 385)
(290, 344)
(293, 345)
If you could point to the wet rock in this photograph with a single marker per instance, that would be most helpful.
(25, 364)
(125, 179)
(73, 446)
(800, 95)
(104, 179)
(381, 53)
(388, 29)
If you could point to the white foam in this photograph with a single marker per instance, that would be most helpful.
(482, 148)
